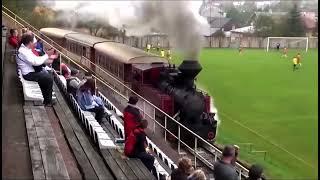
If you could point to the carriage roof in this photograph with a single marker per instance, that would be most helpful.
(85, 39)
(127, 54)
(56, 32)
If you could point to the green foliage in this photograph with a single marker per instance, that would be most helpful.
(264, 26)
(295, 26)
(237, 16)
(22, 8)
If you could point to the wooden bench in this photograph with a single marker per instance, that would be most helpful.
(89, 160)
(31, 90)
(115, 120)
(46, 158)
(124, 168)
(120, 166)
(88, 120)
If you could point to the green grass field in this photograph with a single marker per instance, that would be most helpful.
(260, 100)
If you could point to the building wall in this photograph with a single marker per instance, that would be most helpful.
(218, 42)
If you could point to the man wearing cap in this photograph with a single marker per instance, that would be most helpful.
(131, 116)
(223, 169)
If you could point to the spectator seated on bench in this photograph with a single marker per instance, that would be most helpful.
(140, 146)
(72, 82)
(14, 39)
(88, 101)
(26, 60)
(132, 116)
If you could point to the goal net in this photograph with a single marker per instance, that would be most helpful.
(287, 42)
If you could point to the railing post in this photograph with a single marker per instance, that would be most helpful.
(215, 156)
(165, 128)
(15, 19)
(179, 139)
(144, 109)
(154, 120)
(240, 174)
(195, 151)
(95, 86)
(60, 59)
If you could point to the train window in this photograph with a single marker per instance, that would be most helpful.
(88, 53)
(107, 63)
(116, 69)
(84, 51)
(121, 71)
(98, 59)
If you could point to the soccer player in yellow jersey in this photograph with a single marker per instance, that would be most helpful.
(295, 63)
(162, 53)
(299, 59)
(169, 54)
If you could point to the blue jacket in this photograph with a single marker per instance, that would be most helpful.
(88, 101)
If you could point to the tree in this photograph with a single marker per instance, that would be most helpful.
(295, 26)
(94, 26)
(239, 17)
(264, 26)
(21, 8)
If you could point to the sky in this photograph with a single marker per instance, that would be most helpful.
(115, 12)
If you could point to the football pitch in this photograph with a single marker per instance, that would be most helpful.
(262, 102)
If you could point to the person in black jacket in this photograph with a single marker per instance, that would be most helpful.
(255, 172)
(140, 150)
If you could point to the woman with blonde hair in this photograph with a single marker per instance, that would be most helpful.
(197, 175)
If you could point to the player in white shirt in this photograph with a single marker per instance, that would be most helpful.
(26, 59)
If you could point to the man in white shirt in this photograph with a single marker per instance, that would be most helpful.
(26, 59)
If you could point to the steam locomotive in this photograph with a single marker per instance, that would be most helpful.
(169, 88)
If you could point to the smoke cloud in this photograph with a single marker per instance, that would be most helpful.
(175, 19)
(182, 23)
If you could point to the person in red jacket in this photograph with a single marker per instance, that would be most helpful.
(131, 116)
(13, 39)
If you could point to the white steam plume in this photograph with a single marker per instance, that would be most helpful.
(178, 19)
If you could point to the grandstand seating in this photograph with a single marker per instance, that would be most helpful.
(114, 119)
(93, 127)
(31, 89)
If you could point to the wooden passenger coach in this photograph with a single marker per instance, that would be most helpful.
(81, 45)
(119, 59)
(57, 35)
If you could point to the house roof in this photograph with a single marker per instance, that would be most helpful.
(246, 29)
(219, 22)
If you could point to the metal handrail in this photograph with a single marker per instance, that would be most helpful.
(239, 167)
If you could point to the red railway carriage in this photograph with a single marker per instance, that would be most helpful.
(126, 64)
(57, 35)
(83, 46)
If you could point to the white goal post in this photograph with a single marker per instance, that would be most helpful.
(287, 42)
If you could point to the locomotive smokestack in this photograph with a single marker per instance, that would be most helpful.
(190, 69)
